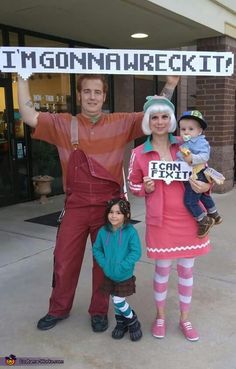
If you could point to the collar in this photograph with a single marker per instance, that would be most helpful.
(92, 120)
(194, 139)
(148, 143)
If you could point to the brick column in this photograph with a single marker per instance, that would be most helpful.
(216, 100)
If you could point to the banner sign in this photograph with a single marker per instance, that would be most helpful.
(28, 60)
(169, 171)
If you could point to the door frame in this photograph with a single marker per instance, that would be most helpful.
(13, 197)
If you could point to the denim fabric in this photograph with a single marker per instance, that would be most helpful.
(191, 199)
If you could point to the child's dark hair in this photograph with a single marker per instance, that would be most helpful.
(124, 206)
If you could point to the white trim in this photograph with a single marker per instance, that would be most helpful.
(177, 248)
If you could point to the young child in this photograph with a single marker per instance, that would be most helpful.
(117, 248)
(196, 152)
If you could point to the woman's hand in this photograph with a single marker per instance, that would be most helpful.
(149, 184)
(199, 186)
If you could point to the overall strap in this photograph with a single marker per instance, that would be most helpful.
(74, 132)
(74, 137)
(125, 185)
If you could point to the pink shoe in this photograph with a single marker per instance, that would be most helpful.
(189, 332)
(159, 328)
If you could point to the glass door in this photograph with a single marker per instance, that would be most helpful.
(14, 171)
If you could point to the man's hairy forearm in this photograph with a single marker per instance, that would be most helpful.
(167, 92)
(26, 106)
(170, 85)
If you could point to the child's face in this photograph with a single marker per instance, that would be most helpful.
(189, 127)
(115, 217)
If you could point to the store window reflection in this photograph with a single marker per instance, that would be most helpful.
(42, 42)
(50, 92)
(6, 180)
(13, 39)
(1, 44)
(21, 150)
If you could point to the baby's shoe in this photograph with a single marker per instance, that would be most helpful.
(216, 216)
(204, 226)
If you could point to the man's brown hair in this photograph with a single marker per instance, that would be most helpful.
(101, 77)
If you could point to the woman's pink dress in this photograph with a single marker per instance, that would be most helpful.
(177, 236)
(171, 231)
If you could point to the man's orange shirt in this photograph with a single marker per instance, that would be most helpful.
(104, 141)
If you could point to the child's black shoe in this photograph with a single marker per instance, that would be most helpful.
(134, 328)
(121, 327)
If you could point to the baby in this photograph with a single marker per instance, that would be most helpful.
(196, 152)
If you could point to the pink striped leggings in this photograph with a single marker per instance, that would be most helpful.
(185, 282)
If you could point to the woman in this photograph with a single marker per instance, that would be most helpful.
(171, 232)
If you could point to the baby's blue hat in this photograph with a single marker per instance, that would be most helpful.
(157, 100)
(196, 115)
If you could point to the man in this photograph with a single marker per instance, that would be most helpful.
(91, 152)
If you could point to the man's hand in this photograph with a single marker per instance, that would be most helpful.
(172, 81)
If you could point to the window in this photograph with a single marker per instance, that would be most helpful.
(13, 39)
(50, 92)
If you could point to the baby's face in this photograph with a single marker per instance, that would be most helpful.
(189, 128)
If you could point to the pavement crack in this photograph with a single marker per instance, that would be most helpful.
(26, 235)
(25, 257)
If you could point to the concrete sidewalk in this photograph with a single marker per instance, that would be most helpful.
(25, 277)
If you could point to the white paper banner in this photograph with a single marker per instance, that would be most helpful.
(28, 60)
(169, 171)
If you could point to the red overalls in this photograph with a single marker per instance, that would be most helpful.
(89, 187)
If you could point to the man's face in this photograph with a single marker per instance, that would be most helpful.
(91, 97)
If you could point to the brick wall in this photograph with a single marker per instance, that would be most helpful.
(216, 100)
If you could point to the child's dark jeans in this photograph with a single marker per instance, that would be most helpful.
(191, 199)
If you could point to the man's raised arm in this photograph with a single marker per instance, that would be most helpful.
(26, 106)
(170, 85)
